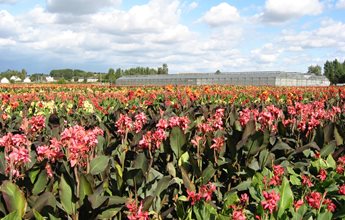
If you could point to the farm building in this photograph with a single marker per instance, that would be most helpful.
(15, 79)
(4, 81)
(27, 80)
(50, 79)
(270, 78)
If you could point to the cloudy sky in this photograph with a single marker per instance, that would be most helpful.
(199, 35)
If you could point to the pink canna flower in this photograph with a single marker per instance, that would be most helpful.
(19, 140)
(140, 121)
(244, 116)
(217, 120)
(162, 124)
(174, 121)
(37, 123)
(159, 136)
(80, 144)
(184, 121)
(49, 170)
(205, 192)
(196, 141)
(51, 153)
(19, 156)
(145, 142)
(218, 143)
(238, 215)
(205, 128)
(153, 141)
(124, 124)
(17, 153)
(244, 198)
(7, 142)
(271, 201)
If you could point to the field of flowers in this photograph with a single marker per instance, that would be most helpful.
(220, 152)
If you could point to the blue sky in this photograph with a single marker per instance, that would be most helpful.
(188, 35)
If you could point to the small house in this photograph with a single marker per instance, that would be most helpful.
(4, 81)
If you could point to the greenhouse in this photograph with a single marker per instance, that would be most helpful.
(269, 78)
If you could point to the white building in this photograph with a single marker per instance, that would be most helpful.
(50, 79)
(15, 79)
(27, 80)
(4, 81)
(91, 80)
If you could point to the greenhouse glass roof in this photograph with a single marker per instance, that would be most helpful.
(258, 74)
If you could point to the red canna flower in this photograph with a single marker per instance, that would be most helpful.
(135, 212)
(244, 198)
(342, 190)
(330, 205)
(298, 204)
(278, 172)
(193, 196)
(314, 199)
(322, 175)
(306, 181)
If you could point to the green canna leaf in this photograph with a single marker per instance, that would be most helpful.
(14, 198)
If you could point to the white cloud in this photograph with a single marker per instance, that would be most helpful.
(193, 6)
(9, 26)
(8, 1)
(268, 53)
(277, 11)
(79, 6)
(154, 17)
(222, 14)
(149, 35)
(6, 42)
(340, 4)
(39, 15)
(330, 34)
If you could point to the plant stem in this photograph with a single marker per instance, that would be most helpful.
(76, 215)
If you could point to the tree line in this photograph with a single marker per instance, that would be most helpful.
(333, 70)
(9, 73)
(76, 74)
(112, 74)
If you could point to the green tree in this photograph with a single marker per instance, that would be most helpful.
(315, 70)
(165, 68)
(328, 71)
(23, 74)
(111, 71)
(335, 71)
(339, 72)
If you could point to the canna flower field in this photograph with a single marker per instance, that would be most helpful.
(173, 152)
